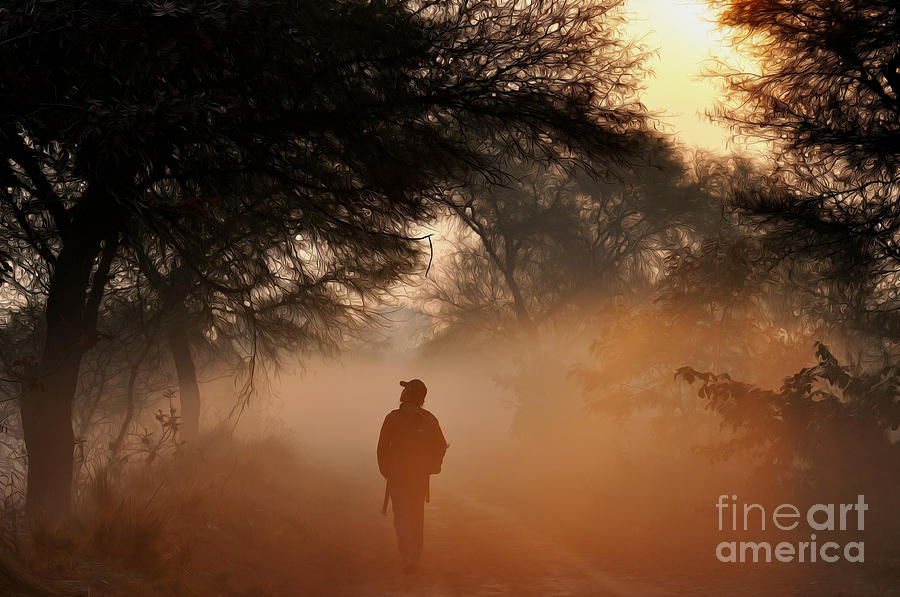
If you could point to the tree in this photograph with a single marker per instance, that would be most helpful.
(826, 432)
(555, 242)
(721, 301)
(328, 125)
(826, 97)
(823, 423)
(288, 305)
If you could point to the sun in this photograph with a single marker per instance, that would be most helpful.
(685, 35)
(684, 26)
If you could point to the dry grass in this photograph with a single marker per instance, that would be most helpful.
(226, 518)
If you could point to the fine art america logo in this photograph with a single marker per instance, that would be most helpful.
(788, 517)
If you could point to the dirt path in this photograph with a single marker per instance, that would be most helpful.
(478, 549)
(474, 549)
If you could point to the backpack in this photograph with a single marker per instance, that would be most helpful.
(420, 443)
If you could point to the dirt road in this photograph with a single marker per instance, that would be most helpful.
(479, 551)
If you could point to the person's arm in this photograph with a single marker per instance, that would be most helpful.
(384, 446)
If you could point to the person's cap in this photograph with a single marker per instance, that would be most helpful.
(416, 387)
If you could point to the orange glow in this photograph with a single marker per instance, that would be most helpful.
(685, 36)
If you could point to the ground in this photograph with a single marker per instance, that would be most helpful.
(255, 520)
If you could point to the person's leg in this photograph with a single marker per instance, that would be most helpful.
(417, 518)
(403, 506)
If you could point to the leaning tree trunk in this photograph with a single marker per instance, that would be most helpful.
(130, 399)
(188, 388)
(520, 308)
(46, 400)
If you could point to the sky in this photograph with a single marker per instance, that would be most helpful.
(684, 36)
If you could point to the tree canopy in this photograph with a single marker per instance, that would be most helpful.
(278, 151)
(824, 96)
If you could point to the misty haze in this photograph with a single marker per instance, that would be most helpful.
(532, 298)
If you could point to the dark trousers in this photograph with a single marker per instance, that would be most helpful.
(408, 500)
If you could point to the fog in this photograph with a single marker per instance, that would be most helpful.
(597, 501)
(661, 350)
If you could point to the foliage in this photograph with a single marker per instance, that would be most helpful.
(820, 425)
(553, 242)
(720, 298)
(824, 95)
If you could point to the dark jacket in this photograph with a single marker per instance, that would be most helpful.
(411, 443)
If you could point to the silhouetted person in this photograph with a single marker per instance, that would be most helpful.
(411, 447)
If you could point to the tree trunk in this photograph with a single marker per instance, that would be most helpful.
(188, 388)
(508, 269)
(46, 400)
(130, 400)
(49, 442)
(519, 306)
